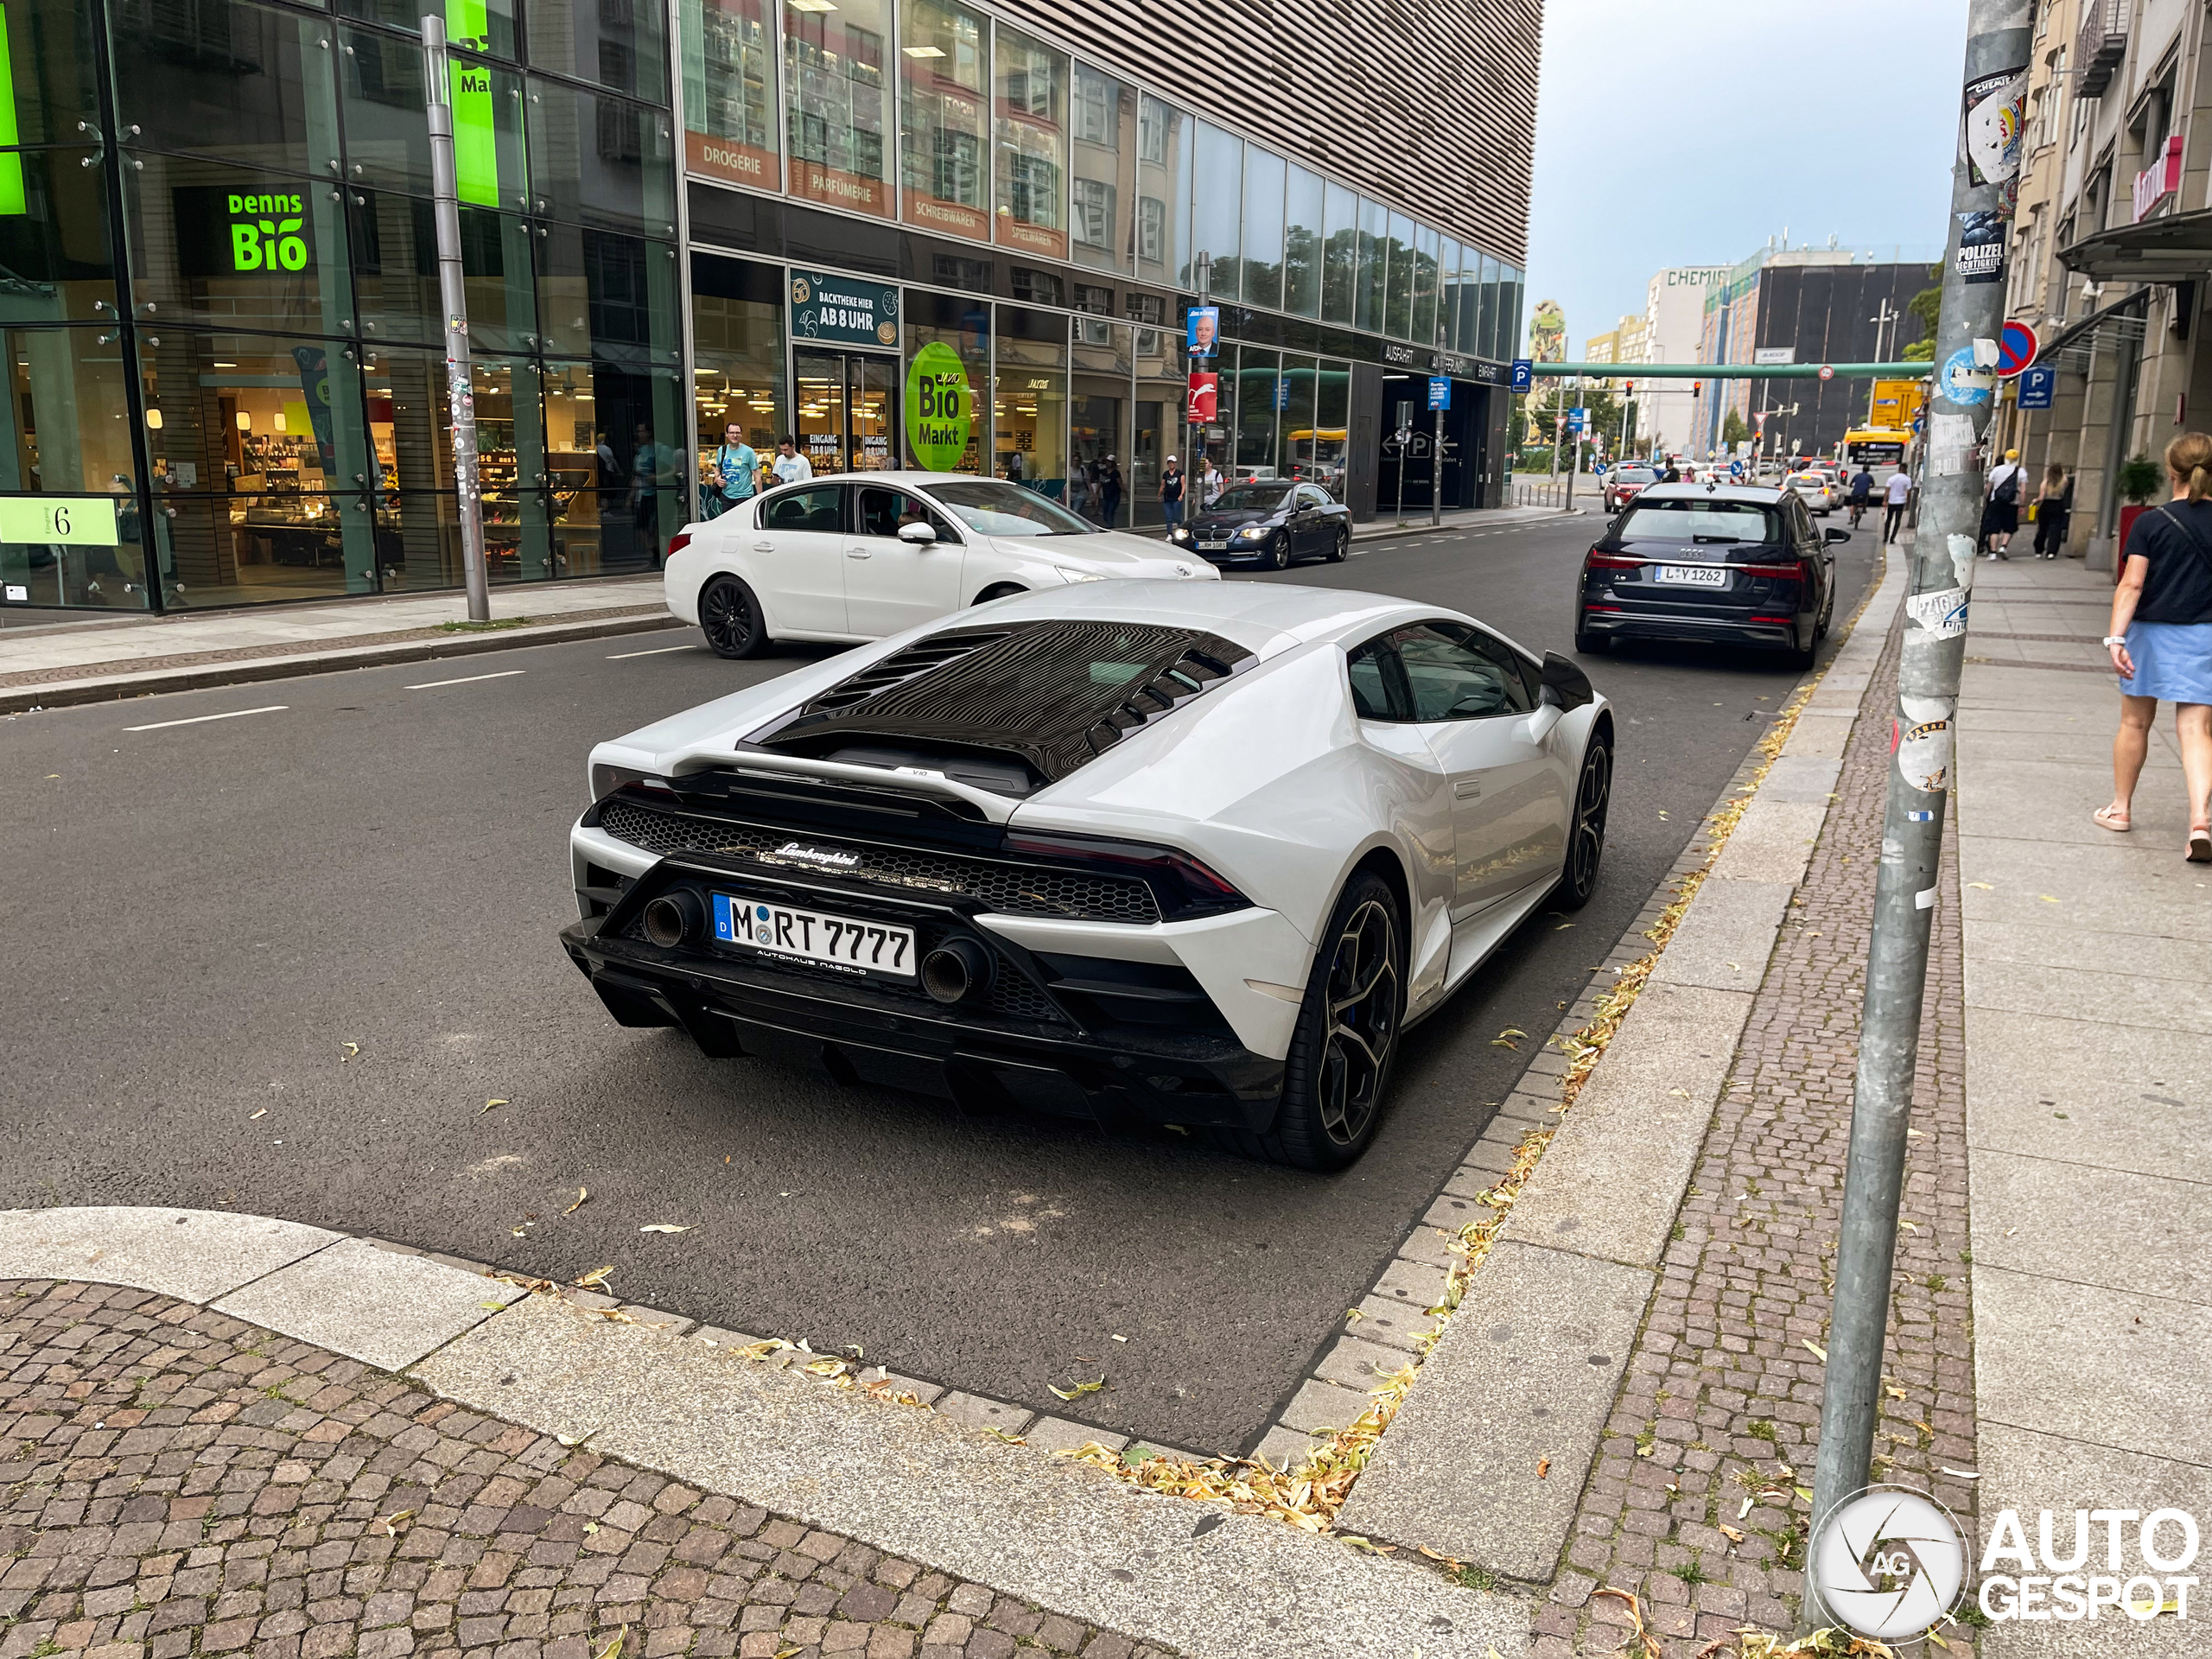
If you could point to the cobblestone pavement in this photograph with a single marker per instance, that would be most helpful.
(174, 1482)
(1714, 1433)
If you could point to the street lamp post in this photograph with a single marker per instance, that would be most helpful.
(453, 298)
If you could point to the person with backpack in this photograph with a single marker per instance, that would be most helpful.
(2000, 518)
(2161, 641)
(737, 473)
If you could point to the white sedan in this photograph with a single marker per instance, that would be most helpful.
(860, 555)
(1191, 854)
(1817, 490)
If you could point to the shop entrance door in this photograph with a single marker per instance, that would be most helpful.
(848, 410)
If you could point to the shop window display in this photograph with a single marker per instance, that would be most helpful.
(55, 243)
(837, 99)
(260, 446)
(1030, 400)
(729, 92)
(947, 368)
(737, 336)
(1031, 85)
(1098, 421)
(65, 433)
(944, 117)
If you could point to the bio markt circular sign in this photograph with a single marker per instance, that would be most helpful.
(940, 408)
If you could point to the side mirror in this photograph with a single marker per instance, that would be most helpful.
(920, 533)
(1832, 537)
(1565, 685)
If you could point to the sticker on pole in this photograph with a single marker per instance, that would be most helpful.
(1943, 614)
(1922, 742)
(1980, 258)
(1992, 134)
(1962, 382)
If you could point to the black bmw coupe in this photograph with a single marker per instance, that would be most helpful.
(1269, 521)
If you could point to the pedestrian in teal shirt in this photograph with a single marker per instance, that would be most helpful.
(737, 471)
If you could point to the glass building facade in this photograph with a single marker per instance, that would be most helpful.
(908, 232)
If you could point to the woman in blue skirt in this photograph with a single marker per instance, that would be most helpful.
(2161, 641)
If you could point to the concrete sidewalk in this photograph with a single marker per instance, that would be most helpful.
(2089, 1090)
(63, 657)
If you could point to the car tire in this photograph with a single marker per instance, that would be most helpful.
(1276, 555)
(1827, 611)
(999, 590)
(1587, 644)
(1334, 1078)
(1341, 547)
(730, 618)
(1585, 828)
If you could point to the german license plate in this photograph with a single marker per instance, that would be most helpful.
(812, 936)
(1692, 576)
(1213, 547)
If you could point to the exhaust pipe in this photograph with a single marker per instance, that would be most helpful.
(956, 969)
(673, 919)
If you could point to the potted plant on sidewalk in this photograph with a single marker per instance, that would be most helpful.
(2138, 481)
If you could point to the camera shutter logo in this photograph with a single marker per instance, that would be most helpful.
(1889, 1563)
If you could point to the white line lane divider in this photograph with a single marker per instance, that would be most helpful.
(662, 651)
(198, 720)
(467, 679)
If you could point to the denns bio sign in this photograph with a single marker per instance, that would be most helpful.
(266, 234)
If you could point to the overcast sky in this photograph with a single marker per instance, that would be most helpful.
(1687, 134)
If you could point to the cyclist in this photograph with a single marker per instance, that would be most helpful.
(1862, 492)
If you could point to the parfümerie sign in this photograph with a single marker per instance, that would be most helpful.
(837, 310)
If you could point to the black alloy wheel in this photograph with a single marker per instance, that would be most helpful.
(1277, 556)
(730, 618)
(1342, 545)
(1587, 644)
(1586, 831)
(1339, 1068)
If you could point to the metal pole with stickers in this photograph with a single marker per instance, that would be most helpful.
(1984, 183)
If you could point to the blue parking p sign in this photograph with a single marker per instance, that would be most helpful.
(1440, 391)
(1524, 374)
(2037, 387)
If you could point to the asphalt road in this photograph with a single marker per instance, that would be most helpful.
(205, 918)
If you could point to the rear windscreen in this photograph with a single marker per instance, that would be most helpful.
(1713, 522)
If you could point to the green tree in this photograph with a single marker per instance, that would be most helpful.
(1734, 430)
(1924, 307)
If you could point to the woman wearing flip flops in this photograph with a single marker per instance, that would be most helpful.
(2161, 641)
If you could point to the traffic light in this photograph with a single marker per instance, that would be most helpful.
(1627, 386)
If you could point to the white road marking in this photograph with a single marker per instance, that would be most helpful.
(467, 679)
(662, 651)
(196, 719)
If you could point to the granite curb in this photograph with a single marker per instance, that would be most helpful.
(1486, 1460)
(111, 687)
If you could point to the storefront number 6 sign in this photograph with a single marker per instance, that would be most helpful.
(940, 408)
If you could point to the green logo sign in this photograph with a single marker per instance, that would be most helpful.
(940, 408)
(266, 234)
(81, 521)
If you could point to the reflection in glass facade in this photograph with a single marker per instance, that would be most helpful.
(251, 402)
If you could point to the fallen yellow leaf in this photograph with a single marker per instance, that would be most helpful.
(1543, 1468)
(667, 1227)
(1983, 886)
(613, 1649)
(582, 1193)
(1818, 1352)
(1079, 1390)
(257, 1116)
(489, 1104)
(393, 1523)
(1731, 1533)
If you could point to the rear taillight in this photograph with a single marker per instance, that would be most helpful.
(1182, 884)
(1598, 561)
(678, 542)
(1790, 572)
